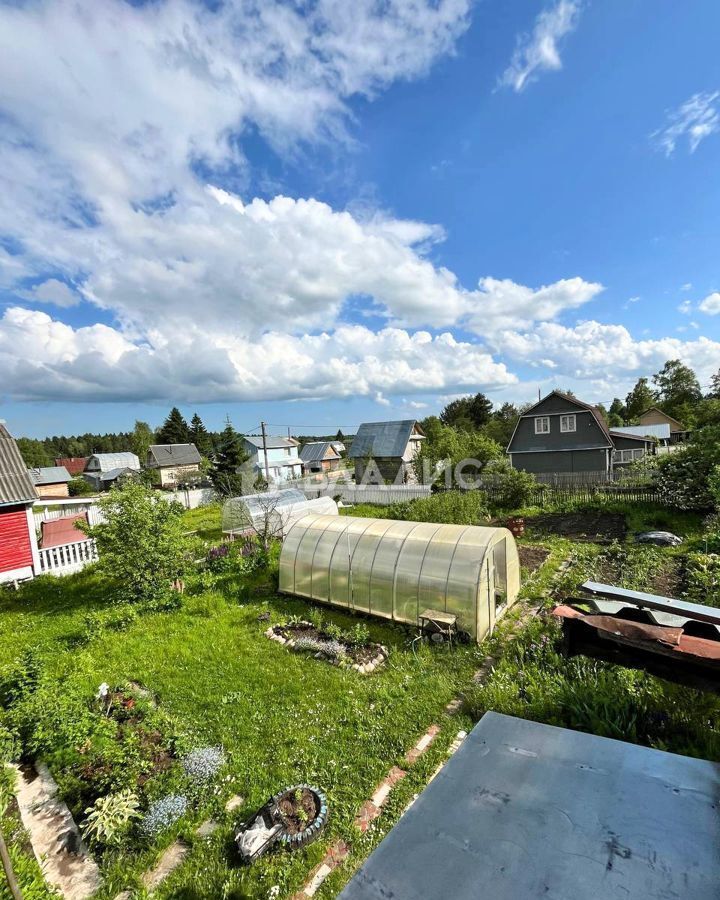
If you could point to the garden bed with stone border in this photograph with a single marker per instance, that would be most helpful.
(304, 637)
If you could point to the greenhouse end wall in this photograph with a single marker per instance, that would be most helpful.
(397, 570)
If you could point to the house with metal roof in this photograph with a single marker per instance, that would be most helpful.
(74, 464)
(50, 481)
(319, 456)
(283, 461)
(655, 416)
(175, 463)
(104, 469)
(562, 435)
(18, 543)
(384, 451)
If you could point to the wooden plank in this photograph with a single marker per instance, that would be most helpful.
(654, 601)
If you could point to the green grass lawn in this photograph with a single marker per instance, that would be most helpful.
(285, 718)
(281, 717)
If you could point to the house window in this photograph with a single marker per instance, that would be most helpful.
(626, 456)
(542, 425)
(567, 423)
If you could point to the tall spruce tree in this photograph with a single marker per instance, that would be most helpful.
(229, 456)
(174, 429)
(200, 437)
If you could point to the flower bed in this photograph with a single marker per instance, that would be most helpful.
(352, 649)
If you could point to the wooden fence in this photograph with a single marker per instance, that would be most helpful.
(549, 495)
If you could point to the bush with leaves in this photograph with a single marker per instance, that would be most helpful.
(446, 507)
(141, 544)
(511, 488)
(686, 476)
(108, 820)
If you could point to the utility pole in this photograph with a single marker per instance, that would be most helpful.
(267, 467)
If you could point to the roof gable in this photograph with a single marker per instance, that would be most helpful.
(15, 483)
(109, 461)
(317, 450)
(174, 454)
(660, 412)
(272, 442)
(384, 439)
(579, 405)
(49, 475)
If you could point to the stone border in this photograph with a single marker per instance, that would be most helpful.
(361, 668)
(58, 847)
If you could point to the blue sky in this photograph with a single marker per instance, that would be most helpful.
(317, 216)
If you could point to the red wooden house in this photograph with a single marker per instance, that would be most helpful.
(18, 544)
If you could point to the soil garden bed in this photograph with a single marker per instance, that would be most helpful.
(304, 637)
(587, 525)
(532, 558)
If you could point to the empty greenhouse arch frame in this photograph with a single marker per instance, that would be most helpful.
(397, 570)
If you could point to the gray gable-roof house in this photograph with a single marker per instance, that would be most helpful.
(319, 456)
(175, 463)
(16, 486)
(384, 451)
(104, 469)
(18, 544)
(43, 475)
(562, 435)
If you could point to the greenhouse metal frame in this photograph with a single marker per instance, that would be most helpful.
(396, 569)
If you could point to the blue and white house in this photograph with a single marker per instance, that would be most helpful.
(283, 460)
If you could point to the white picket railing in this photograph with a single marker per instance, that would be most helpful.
(66, 558)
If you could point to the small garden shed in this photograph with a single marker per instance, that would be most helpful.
(271, 511)
(398, 570)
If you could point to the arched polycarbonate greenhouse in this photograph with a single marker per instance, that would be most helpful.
(398, 570)
(272, 511)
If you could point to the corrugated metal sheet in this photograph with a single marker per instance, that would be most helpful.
(15, 546)
(74, 464)
(382, 439)
(272, 442)
(15, 484)
(62, 531)
(109, 461)
(49, 475)
(524, 810)
(174, 454)
(661, 432)
(317, 450)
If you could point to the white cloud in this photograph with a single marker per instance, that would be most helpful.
(52, 291)
(41, 358)
(685, 307)
(695, 119)
(687, 286)
(711, 304)
(591, 349)
(538, 51)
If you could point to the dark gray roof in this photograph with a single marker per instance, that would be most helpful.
(525, 810)
(272, 442)
(173, 455)
(15, 484)
(382, 439)
(316, 450)
(49, 475)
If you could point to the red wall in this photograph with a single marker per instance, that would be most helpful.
(15, 547)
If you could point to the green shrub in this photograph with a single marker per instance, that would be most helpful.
(109, 819)
(512, 488)
(141, 544)
(80, 487)
(446, 507)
